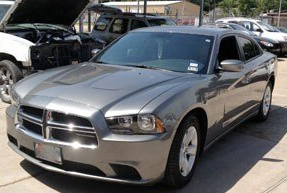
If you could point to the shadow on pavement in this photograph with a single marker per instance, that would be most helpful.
(218, 170)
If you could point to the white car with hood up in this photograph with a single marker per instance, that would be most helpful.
(37, 35)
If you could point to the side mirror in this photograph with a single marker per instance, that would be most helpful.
(259, 30)
(95, 52)
(232, 65)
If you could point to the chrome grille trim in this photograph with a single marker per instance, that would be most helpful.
(76, 132)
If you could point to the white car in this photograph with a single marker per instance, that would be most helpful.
(37, 35)
(261, 29)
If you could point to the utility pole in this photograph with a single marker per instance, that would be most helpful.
(201, 13)
(213, 14)
(138, 3)
(279, 13)
(145, 5)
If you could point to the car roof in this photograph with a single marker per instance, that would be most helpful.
(202, 30)
(236, 19)
(132, 15)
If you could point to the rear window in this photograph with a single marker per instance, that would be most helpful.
(160, 22)
(102, 23)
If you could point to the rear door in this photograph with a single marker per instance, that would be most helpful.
(257, 67)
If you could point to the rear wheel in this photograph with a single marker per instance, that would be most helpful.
(184, 153)
(9, 75)
(265, 106)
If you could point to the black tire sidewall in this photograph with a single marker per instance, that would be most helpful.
(261, 116)
(173, 176)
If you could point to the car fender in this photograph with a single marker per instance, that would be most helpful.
(18, 47)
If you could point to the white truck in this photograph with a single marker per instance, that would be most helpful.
(37, 35)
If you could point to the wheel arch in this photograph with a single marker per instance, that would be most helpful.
(5, 56)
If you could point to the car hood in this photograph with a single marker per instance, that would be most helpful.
(101, 86)
(59, 12)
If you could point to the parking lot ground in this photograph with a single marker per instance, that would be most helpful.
(251, 159)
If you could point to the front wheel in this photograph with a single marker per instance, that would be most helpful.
(184, 153)
(9, 75)
(265, 106)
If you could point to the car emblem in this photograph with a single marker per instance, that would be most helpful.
(48, 116)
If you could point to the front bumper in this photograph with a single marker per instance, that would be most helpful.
(117, 158)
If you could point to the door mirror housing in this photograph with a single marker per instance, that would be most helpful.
(259, 30)
(95, 52)
(232, 65)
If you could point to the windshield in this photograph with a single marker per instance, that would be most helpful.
(178, 52)
(267, 27)
(160, 22)
(3, 10)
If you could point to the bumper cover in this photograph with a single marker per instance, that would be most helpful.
(144, 155)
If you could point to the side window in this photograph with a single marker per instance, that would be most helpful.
(228, 49)
(102, 23)
(137, 24)
(119, 26)
(247, 25)
(250, 49)
(255, 27)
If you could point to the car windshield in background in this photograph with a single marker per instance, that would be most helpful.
(160, 22)
(268, 27)
(3, 10)
(177, 52)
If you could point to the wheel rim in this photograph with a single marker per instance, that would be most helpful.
(6, 81)
(266, 101)
(188, 151)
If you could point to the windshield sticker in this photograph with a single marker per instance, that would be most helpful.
(208, 40)
(193, 67)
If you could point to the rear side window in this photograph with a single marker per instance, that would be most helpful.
(250, 49)
(137, 24)
(102, 23)
(119, 26)
(160, 22)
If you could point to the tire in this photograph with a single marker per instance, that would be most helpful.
(265, 105)
(9, 75)
(174, 175)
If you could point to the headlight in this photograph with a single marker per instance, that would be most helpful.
(136, 124)
(15, 99)
(267, 44)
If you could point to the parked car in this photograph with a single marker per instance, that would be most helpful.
(114, 24)
(145, 108)
(266, 44)
(36, 35)
(261, 29)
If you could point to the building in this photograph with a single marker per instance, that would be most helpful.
(168, 8)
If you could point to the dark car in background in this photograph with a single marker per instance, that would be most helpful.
(266, 44)
(113, 24)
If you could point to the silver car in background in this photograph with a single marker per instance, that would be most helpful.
(145, 108)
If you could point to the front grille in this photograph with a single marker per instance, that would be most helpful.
(32, 127)
(57, 126)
